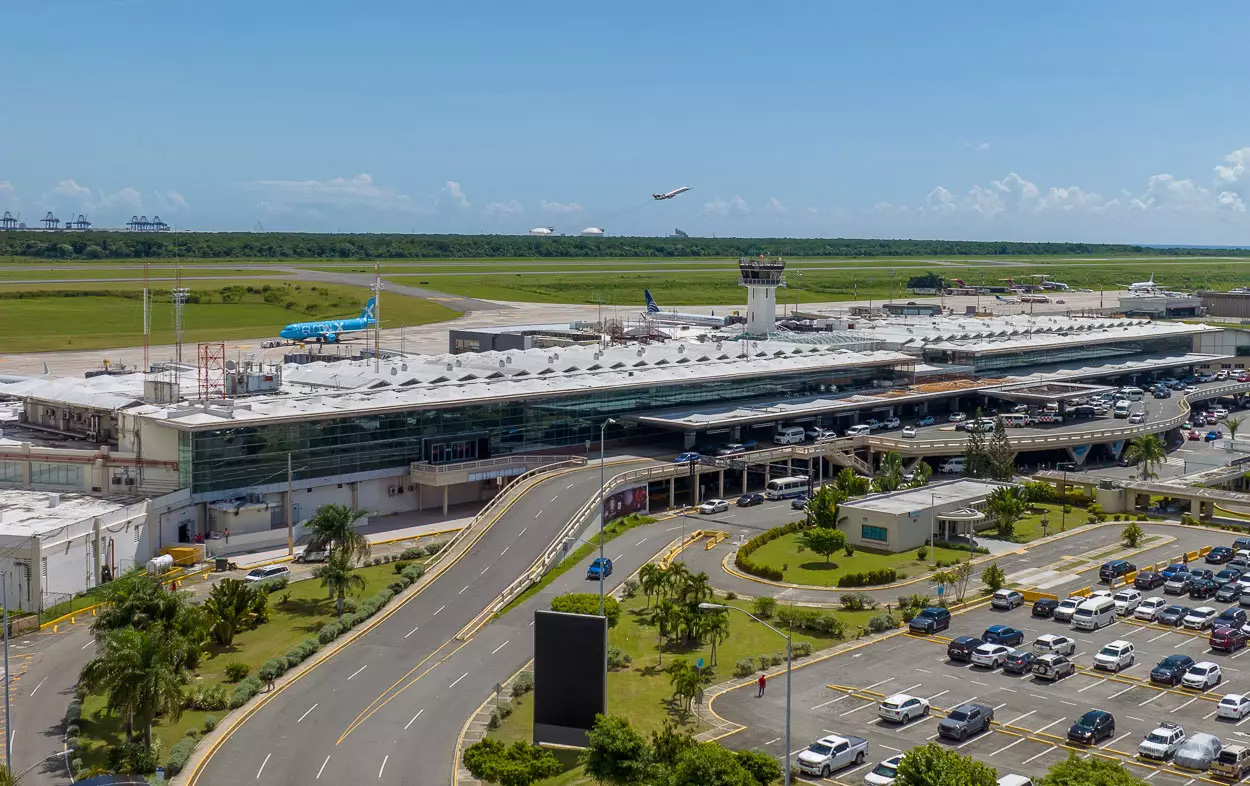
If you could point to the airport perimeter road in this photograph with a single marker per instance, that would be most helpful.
(1031, 716)
(287, 740)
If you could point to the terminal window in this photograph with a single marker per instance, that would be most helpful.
(874, 533)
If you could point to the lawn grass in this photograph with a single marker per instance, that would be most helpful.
(307, 608)
(812, 569)
(1029, 527)
(47, 317)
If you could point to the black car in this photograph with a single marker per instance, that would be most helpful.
(1019, 662)
(1148, 580)
(1201, 573)
(1092, 727)
(1172, 615)
(1171, 669)
(1227, 575)
(1232, 617)
(1003, 634)
(748, 500)
(1045, 607)
(1241, 543)
(960, 649)
(1201, 589)
(1219, 555)
(1228, 592)
(930, 620)
(1115, 569)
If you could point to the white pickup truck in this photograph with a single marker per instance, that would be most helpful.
(832, 753)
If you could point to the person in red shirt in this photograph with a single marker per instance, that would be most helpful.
(761, 684)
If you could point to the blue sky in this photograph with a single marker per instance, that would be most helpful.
(1109, 121)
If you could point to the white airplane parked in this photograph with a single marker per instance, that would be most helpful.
(1143, 286)
(671, 194)
(1048, 284)
(656, 314)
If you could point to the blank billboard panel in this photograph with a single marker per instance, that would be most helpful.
(570, 675)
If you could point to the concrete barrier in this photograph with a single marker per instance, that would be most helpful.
(1033, 596)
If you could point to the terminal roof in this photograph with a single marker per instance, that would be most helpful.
(24, 513)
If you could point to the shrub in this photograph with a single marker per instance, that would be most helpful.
(617, 658)
(776, 659)
(434, 548)
(764, 606)
(244, 691)
(857, 601)
(210, 723)
(207, 697)
(630, 587)
(413, 573)
(801, 649)
(178, 755)
(523, 684)
(399, 566)
(72, 730)
(588, 603)
(744, 668)
(908, 613)
(412, 553)
(350, 605)
(71, 743)
(849, 549)
(367, 609)
(77, 765)
(271, 586)
(731, 595)
(73, 712)
(272, 669)
(193, 733)
(922, 553)
(237, 670)
(881, 623)
(762, 571)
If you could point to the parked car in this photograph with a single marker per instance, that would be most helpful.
(1218, 555)
(1173, 569)
(1201, 573)
(1115, 569)
(1212, 436)
(601, 565)
(1172, 616)
(1066, 608)
(1233, 761)
(1126, 601)
(901, 708)
(1092, 728)
(1053, 643)
(957, 417)
(1148, 580)
(1149, 609)
(1227, 639)
(1202, 675)
(1231, 591)
(1019, 662)
(750, 500)
(1171, 669)
(1163, 741)
(1198, 751)
(885, 773)
(832, 753)
(1003, 634)
(1232, 617)
(1226, 575)
(930, 620)
(1115, 656)
(1200, 618)
(909, 432)
(311, 555)
(1053, 667)
(960, 649)
(1007, 599)
(1202, 588)
(966, 720)
(687, 457)
(991, 656)
(1233, 706)
(733, 449)
(891, 422)
(1177, 583)
(714, 506)
(1044, 607)
(267, 572)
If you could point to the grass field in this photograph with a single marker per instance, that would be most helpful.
(642, 692)
(92, 316)
(306, 610)
(811, 569)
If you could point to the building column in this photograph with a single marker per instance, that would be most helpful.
(97, 537)
(688, 439)
(355, 487)
(694, 488)
(36, 573)
(744, 480)
(789, 467)
(445, 488)
(1206, 510)
(420, 501)
(722, 483)
(672, 493)
(768, 466)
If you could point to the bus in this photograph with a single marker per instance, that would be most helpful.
(784, 488)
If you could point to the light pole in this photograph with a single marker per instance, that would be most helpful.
(8, 724)
(789, 664)
(602, 516)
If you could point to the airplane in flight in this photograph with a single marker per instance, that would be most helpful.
(670, 194)
(656, 314)
(329, 331)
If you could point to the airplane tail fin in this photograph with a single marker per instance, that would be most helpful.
(652, 306)
(368, 312)
(1152, 278)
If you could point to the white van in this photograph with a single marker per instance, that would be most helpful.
(789, 435)
(1015, 419)
(1133, 394)
(1094, 614)
(1122, 408)
(952, 466)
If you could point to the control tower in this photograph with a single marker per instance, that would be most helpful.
(761, 277)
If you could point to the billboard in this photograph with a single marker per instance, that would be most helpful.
(625, 502)
(570, 675)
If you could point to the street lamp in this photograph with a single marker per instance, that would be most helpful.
(603, 428)
(8, 724)
(66, 753)
(705, 606)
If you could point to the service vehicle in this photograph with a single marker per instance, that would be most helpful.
(1232, 762)
(830, 754)
(1094, 614)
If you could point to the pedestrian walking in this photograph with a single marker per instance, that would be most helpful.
(227, 536)
(761, 684)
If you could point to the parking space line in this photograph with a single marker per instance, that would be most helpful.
(1040, 755)
(1186, 704)
(1243, 720)
(1008, 745)
(1161, 635)
(857, 709)
(875, 684)
(831, 701)
(1117, 739)
(1047, 726)
(1092, 685)
(1152, 698)
(1014, 721)
(934, 696)
(1125, 690)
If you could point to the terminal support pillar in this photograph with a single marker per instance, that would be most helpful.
(721, 493)
(789, 467)
(36, 575)
(1206, 510)
(445, 489)
(694, 488)
(672, 492)
(97, 547)
(767, 471)
(744, 480)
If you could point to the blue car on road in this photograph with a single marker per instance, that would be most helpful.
(600, 565)
(927, 420)
(1212, 436)
(688, 456)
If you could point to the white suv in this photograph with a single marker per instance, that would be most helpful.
(1200, 618)
(1126, 601)
(1117, 655)
(1202, 675)
(1163, 741)
(267, 572)
(1149, 608)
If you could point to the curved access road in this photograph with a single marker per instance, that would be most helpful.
(341, 721)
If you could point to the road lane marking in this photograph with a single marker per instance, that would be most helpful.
(571, 485)
(522, 532)
(305, 715)
(639, 543)
(462, 676)
(37, 687)
(462, 589)
(505, 550)
(501, 646)
(1117, 739)
(414, 630)
(414, 718)
(88, 644)
(262, 765)
(440, 608)
(323, 767)
(1014, 721)
(357, 671)
(483, 573)
(772, 741)
(383, 767)
(539, 513)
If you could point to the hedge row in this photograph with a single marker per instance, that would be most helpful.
(810, 619)
(871, 578)
(742, 559)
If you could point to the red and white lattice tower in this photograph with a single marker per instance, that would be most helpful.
(212, 371)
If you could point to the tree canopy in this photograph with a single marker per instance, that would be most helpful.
(934, 765)
(1094, 771)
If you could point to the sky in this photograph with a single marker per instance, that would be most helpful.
(1060, 121)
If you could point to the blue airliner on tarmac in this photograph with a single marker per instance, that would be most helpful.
(328, 332)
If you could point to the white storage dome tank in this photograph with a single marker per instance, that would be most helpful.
(162, 564)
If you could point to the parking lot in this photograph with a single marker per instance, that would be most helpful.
(1031, 716)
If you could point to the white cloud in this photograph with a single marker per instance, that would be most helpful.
(1165, 192)
(505, 209)
(941, 200)
(170, 201)
(559, 208)
(358, 191)
(83, 199)
(70, 188)
(8, 195)
(733, 207)
(1072, 198)
(1231, 201)
(127, 198)
(453, 190)
(773, 205)
(1239, 166)
(979, 146)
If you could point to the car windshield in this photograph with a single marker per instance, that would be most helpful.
(1087, 721)
(258, 572)
(1173, 661)
(959, 715)
(885, 769)
(820, 748)
(1155, 737)
(1228, 702)
(1112, 651)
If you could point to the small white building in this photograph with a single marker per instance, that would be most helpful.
(55, 545)
(903, 520)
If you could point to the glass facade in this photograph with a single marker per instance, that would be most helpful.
(235, 458)
(1043, 356)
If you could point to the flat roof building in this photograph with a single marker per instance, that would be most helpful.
(903, 520)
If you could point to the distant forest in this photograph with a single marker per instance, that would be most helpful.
(280, 245)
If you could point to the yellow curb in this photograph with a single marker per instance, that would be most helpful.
(1167, 541)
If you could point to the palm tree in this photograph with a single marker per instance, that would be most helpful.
(339, 577)
(651, 578)
(716, 628)
(230, 607)
(685, 680)
(1233, 424)
(662, 616)
(1007, 506)
(142, 674)
(334, 527)
(890, 474)
(1147, 451)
